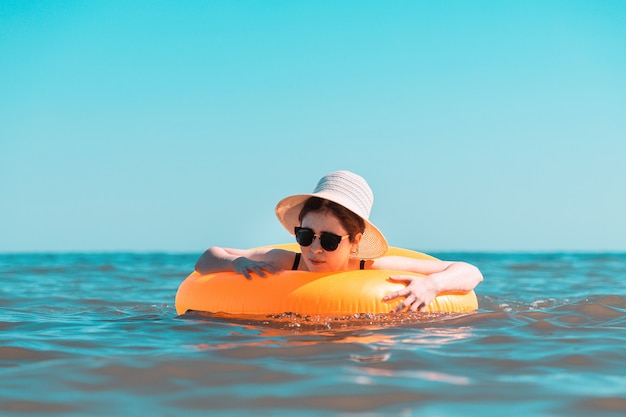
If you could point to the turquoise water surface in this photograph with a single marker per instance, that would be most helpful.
(97, 335)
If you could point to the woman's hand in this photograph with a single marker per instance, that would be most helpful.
(245, 266)
(418, 294)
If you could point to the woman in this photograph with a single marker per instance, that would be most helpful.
(332, 228)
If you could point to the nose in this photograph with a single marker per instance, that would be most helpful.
(316, 246)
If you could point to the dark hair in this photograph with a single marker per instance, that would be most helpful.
(350, 221)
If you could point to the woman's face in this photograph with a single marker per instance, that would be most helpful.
(315, 258)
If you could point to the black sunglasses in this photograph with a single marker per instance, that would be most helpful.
(329, 241)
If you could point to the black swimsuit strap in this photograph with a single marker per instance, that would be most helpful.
(296, 262)
(362, 265)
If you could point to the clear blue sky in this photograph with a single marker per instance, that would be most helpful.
(175, 125)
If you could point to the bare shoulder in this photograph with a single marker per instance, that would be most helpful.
(281, 257)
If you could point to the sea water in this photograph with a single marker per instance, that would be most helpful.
(98, 335)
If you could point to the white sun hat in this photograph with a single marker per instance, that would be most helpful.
(349, 190)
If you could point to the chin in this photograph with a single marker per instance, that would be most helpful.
(319, 268)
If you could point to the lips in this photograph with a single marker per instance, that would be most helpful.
(316, 262)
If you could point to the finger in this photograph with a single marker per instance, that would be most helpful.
(404, 304)
(417, 306)
(272, 268)
(398, 308)
(396, 294)
(401, 278)
(258, 269)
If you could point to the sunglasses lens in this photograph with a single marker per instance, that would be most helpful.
(329, 241)
(304, 237)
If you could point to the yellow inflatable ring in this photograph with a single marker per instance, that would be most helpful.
(323, 293)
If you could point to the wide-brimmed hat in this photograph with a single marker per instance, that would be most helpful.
(349, 190)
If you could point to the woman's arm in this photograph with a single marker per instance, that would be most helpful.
(244, 261)
(441, 276)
